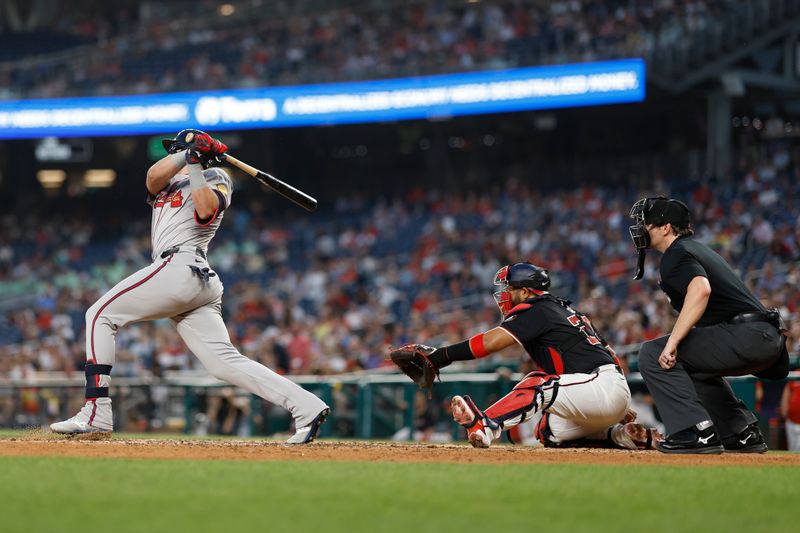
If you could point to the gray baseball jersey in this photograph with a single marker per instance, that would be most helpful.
(174, 221)
(180, 285)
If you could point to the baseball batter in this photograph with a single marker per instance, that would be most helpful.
(582, 394)
(189, 198)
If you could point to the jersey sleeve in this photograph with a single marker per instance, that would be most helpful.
(682, 271)
(219, 180)
(525, 326)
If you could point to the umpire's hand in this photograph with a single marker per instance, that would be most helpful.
(669, 355)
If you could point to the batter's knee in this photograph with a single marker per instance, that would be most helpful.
(92, 313)
(216, 368)
(221, 365)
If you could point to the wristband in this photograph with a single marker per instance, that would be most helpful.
(196, 178)
(179, 160)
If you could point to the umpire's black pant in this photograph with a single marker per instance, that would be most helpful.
(693, 390)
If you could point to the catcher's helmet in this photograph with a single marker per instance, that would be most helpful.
(517, 276)
(182, 141)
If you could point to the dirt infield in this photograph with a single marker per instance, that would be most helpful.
(254, 450)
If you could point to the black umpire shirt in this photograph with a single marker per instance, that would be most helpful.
(686, 259)
(543, 326)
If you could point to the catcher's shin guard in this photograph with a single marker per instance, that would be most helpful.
(481, 430)
(536, 392)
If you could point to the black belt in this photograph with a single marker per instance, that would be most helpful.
(770, 317)
(743, 318)
(597, 369)
(175, 249)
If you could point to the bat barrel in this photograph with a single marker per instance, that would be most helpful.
(284, 189)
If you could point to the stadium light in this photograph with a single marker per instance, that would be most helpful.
(51, 178)
(99, 178)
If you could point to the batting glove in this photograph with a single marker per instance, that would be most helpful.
(192, 157)
(209, 147)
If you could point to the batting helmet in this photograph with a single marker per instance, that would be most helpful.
(517, 276)
(182, 141)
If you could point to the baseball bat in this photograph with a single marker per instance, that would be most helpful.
(284, 189)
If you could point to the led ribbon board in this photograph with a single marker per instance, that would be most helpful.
(608, 82)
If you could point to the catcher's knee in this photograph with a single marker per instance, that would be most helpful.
(536, 392)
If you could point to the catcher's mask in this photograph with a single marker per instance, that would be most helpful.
(657, 211)
(182, 141)
(517, 276)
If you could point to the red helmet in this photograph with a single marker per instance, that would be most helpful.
(517, 276)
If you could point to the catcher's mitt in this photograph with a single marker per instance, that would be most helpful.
(413, 361)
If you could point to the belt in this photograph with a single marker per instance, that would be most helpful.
(608, 366)
(743, 318)
(772, 316)
(176, 249)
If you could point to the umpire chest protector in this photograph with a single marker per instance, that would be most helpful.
(558, 338)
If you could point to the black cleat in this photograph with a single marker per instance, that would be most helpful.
(691, 440)
(749, 440)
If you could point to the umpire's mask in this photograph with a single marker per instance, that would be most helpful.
(656, 210)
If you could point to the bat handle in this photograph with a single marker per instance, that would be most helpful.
(239, 164)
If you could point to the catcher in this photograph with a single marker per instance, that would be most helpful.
(582, 394)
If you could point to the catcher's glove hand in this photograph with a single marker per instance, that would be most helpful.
(413, 361)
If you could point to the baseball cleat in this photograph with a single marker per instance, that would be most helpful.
(749, 440)
(94, 417)
(306, 434)
(691, 441)
(463, 412)
(633, 436)
(481, 436)
(481, 430)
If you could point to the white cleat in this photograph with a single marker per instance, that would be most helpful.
(481, 438)
(481, 430)
(462, 411)
(94, 417)
(306, 434)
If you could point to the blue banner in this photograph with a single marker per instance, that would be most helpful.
(608, 82)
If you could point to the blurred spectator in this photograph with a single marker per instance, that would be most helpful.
(134, 54)
(330, 298)
(790, 411)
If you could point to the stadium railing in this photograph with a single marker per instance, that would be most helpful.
(365, 405)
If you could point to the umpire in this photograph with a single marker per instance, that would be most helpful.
(721, 330)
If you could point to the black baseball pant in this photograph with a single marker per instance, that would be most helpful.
(694, 389)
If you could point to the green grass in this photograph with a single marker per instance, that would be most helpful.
(75, 494)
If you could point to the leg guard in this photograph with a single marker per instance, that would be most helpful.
(513, 435)
(536, 392)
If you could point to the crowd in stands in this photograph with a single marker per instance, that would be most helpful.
(252, 47)
(331, 296)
